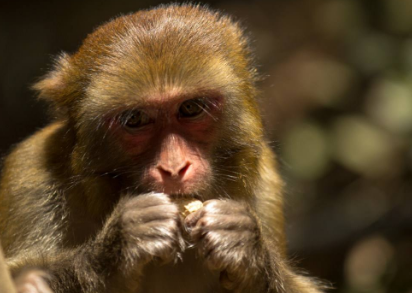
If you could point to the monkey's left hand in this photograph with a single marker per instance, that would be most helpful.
(228, 236)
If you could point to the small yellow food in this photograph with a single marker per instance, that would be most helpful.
(188, 206)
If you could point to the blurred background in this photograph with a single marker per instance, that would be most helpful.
(337, 101)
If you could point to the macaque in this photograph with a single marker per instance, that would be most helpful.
(154, 107)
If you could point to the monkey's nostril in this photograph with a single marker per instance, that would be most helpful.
(164, 172)
(183, 170)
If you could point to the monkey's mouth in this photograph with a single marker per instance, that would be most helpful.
(178, 191)
(175, 196)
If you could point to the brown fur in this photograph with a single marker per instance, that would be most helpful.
(68, 191)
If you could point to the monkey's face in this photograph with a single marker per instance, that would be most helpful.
(155, 120)
(168, 141)
(162, 142)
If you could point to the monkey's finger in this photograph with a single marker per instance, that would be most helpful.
(199, 232)
(162, 229)
(221, 250)
(154, 213)
(225, 207)
(226, 222)
(146, 200)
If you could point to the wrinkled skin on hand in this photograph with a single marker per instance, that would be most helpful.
(228, 236)
(150, 227)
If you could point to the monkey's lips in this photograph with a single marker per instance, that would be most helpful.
(179, 189)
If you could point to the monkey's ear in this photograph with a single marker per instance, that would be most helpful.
(55, 86)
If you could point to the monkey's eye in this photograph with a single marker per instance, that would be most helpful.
(192, 108)
(135, 119)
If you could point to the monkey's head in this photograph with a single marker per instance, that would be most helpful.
(163, 100)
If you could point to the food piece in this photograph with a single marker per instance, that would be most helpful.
(188, 206)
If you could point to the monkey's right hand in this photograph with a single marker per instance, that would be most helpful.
(144, 228)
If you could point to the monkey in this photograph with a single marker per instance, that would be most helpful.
(153, 107)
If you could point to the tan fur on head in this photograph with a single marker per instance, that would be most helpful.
(152, 51)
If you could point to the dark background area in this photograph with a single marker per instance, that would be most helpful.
(337, 102)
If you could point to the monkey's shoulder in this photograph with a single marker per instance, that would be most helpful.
(32, 160)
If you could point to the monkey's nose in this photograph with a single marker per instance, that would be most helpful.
(173, 173)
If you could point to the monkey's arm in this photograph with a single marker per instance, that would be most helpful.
(140, 229)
